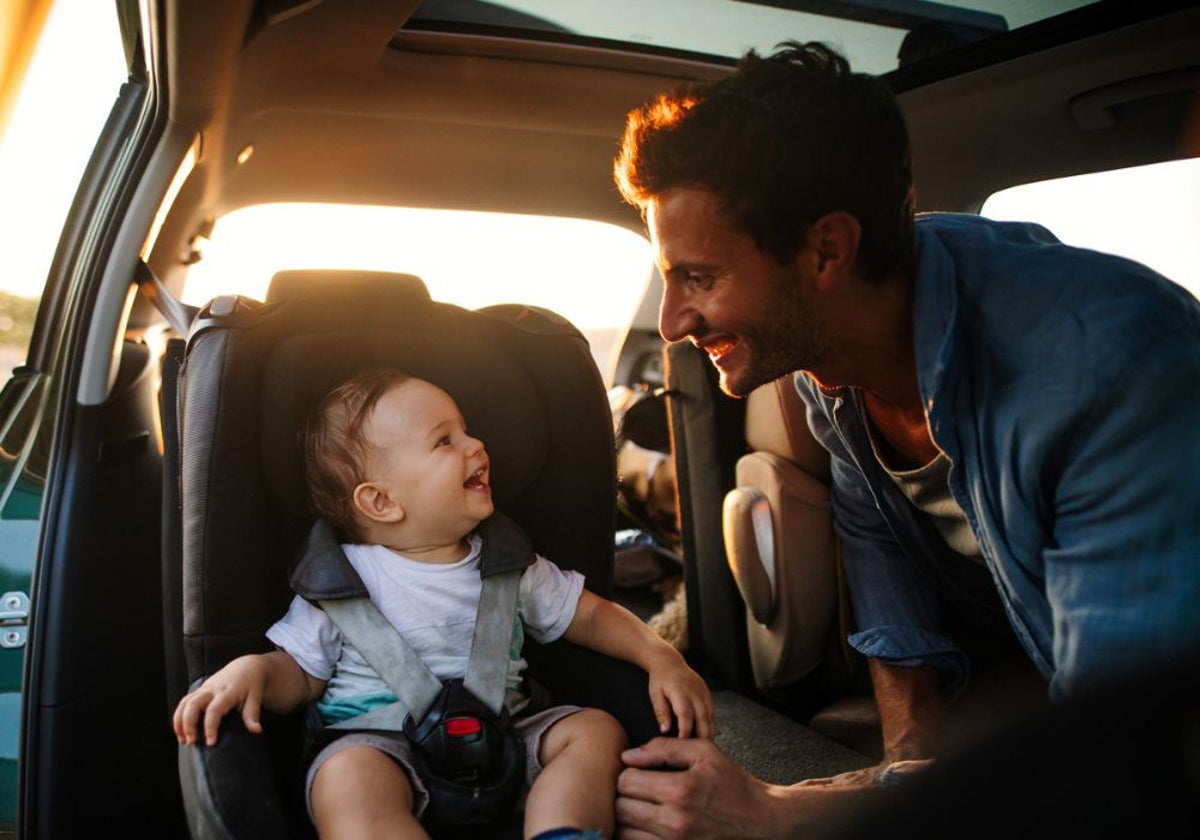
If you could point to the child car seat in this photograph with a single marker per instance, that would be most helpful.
(527, 387)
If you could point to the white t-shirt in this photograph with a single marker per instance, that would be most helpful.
(433, 607)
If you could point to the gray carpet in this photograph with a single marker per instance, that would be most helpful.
(776, 748)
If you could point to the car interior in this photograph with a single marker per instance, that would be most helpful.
(173, 501)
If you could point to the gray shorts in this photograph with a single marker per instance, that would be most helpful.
(530, 729)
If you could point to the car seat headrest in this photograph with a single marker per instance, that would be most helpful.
(343, 285)
(475, 357)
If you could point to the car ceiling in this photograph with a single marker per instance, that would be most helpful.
(340, 108)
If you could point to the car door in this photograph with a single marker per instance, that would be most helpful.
(81, 651)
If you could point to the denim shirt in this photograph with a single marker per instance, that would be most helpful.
(1064, 386)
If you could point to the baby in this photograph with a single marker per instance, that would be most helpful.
(392, 467)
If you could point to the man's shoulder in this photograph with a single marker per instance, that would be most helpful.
(1020, 273)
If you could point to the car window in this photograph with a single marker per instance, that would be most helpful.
(1146, 213)
(64, 98)
(876, 37)
(591, 273)
(50, 117)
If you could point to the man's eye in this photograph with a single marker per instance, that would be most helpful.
(700, 281)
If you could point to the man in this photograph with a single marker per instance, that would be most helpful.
(1005, 415)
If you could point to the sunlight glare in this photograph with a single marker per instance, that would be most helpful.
(591, 273)
(1145, 213)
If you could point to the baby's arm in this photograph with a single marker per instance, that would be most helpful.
(249, 683)
(611, 629)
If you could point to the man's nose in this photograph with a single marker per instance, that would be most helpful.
(677, 319)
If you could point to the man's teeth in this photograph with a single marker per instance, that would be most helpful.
(719, 348)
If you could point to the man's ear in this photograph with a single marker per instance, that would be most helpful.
(833, 241)
(372, 500)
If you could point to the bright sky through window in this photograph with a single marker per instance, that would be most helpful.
(1146, 213)
(591, 273)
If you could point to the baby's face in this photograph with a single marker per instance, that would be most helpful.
(433, 469)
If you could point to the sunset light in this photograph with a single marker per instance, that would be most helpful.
(591, 273)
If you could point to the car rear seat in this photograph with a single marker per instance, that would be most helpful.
(783, 553)
(780, 637)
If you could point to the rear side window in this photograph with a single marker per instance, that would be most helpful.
(73, 74)
(1146, 213)
(591, 273)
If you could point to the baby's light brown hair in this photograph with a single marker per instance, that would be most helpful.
(336, 446)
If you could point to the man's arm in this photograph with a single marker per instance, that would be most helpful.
(895, 609)
(911, 709)
(1122, 565)
(611, 629)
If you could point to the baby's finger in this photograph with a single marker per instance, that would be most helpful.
(187, 716)
(684, 716)
(216, 710)
(250, 713)
(662, 710)
(177, 721)
(706, 725)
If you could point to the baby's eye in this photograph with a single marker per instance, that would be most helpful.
(444, 440)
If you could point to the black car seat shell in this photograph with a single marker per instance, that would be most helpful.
(527, 386)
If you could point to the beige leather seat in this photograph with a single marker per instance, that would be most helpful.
(779, 538)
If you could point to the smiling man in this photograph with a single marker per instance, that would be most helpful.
(1011, 421)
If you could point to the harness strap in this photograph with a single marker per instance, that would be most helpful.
(410, 679)
(487, 664)
(384, 648)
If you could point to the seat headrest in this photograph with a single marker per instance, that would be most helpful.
(342, 285)
(462, 352)
(776, 422)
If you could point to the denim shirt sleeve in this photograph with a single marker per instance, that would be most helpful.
(1122, 572)
(895, 605)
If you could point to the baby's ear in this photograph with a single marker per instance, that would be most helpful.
(372, 500)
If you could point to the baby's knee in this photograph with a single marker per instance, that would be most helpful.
(598, 730)
(358, 772)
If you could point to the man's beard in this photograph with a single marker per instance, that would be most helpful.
(790, 338)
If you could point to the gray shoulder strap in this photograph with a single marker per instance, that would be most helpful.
(491, 646)
(384, 648)
(410, 679)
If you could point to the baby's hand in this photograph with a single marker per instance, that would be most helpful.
(239, 685)
(676, 688)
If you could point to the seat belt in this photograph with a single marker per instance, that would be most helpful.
(410, 679)
(178, 314)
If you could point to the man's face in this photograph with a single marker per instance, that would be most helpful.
(421, 454)
(750, 313)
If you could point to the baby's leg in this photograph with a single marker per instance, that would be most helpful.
(360, 793)
(577, 788)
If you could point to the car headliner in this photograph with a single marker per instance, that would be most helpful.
(340, 105)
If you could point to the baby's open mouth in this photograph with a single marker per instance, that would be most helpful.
(476, 481)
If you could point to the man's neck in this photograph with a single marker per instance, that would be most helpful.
(871, 330)
(874, 352)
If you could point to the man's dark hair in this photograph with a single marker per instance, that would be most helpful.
(781, 142)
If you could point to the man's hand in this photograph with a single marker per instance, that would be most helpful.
(708, 796)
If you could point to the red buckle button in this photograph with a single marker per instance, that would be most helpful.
(462, 726)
